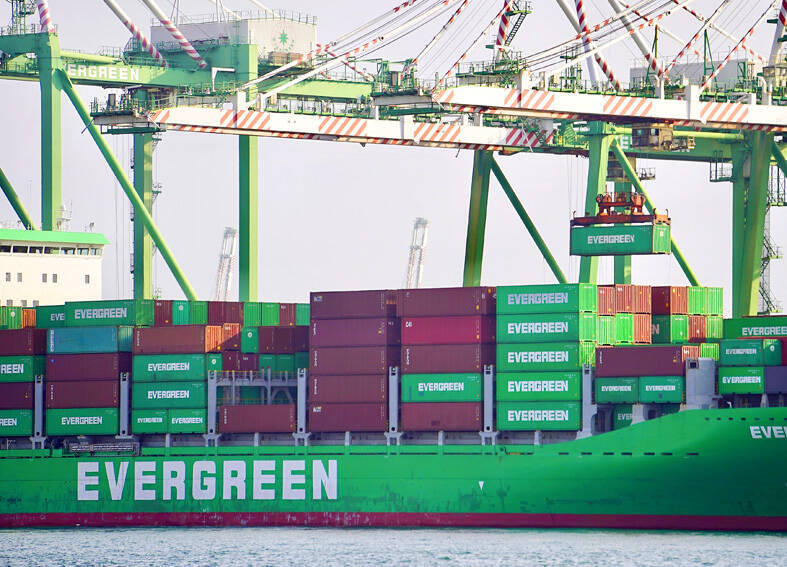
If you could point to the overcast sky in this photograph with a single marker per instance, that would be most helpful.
(339, 216)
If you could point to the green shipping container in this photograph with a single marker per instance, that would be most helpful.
(21, 368)
(302, 314)
(284, 363)
(714, 327)
(249, 395)
(551, 298)
(198, 313)
(616, 390)
(697, 300)
(622, 416)
(82, 421)
(669, 329)
(249, 339)
(544, 356)
(532, 416)
(132, 312)
(10, 317)
(441, 387)
(538, 386)
(624, 328)
(748, 327)
(252, 314)
(709, 350)
(16, 423)
(546, 327)
(605, 334)
(213, 363)
(750, 352)
(187, 421)
(50, 316)
(741, 380)
(148, 421)
(181, 312)
(168, 367)
(301, 360)
(714, 301)
(89, 340)
(613, 240)
(270, 315)
(155, 395)
(267, 362)
(661, 389)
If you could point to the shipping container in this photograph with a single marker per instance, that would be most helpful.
(751, 327)
(277, 363)
(182, 339)
(548, 298)
(714, 301)
(669, 300)
(673, 329)
(249, 339)
(230, 336)
(448, 330)
(538, 386)
(607, 300)
(697, 299)
(750, 352)
(86, 340)
(239, 362)
(451, 387)
(220, 312)
(429, 359)
(442, 302)
(187, 421)
(155, 395)
(354, 332)
(776, 380)
(616, 390)
(352, 304)
(606, 330)
(50, 316)
(455, 416)
(714, 327)
(92, 394)
(661, 389)
(28, 318)
(624, 361)
(181, 312)
(100, 366)
(622, 416)
(301, 360)
(546, 327)
(619, 239)
(10, 317)
(162, 312)
(326, 418)
(543, 356)
(632, 298)
(168, 367)
(213, 363)
(534, 416)
(22, 342)
(259, 314)
(278, 418)
(741, 380)
(287, 314)
(283, 340)
(17, 395)
(82, 421)
(354, 360)
(21, 368)
(361, 388)
(697, 329)
(147, 422)
(710, 350)
(198, 313)
(302, 314)
(110, 313)
(16, 423)
(632, 328)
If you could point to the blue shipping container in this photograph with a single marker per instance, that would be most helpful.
(77, 340)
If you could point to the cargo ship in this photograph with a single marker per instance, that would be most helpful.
(567, 405)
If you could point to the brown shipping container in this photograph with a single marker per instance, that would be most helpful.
(325, 418)
(278, 418)
(352, 304)
(220, 312)
(22, 342)
(28, 318)
(162, 313)
(439, 302)
(283, 340)
(606, 300)
(17, 395)
(465, 329)
(642, 328)
(103, 394)
(429, 359)
(354, 332)
(690, 351)
(180, 339)
(622, 361)
(286, 314)
(642, 299)
(234, 360)
(446, 416)
(669, 300)
(697, 328)
(80, 367)
(230, 336)
(348, 389)
(339, 361)
(624, 298)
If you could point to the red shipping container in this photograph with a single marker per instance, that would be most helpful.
(352, 304)
(606, 300)
(100, 394)
(234, 360)
(439, 302)
(81, 367)
(669, 300)
(325, 418)
(697, 328)
(642, 329)
(429, 359)
(283, 340)
(22, 342)
(162, 312)
(689, 351)
(622, 361)
(354, 332)
(220, 312)
(28, 318)
(279, 418)
(352, 360)
(642, 299)
(348, 389)
(448, 330)
(179, 339)
(286, 314)
(230, 336)
(17, 395)
(445, 416)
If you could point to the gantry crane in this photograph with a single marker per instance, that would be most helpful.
(223, 286)
(415, 260)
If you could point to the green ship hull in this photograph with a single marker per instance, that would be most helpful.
(697, 469)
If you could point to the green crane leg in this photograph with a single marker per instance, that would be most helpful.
(598, 155)
(476, 221)
(143, 244)
(248, 213)
(16, 203)
(622, 263)
(740, 155)
(139, 207)
(632, 176)
(48, 58)
(779, 157)
(528, 222)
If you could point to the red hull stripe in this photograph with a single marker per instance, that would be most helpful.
(382, 519)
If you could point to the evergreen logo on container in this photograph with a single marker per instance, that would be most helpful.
(101, 313)
(538, 356)
(8, 422)
(538, 415)
(537, 298)
(12, 368)
(539, 327)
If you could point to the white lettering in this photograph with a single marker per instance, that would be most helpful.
(168, 366)
(537, 298)
(324, 480)
(441, 387)
(538, 386)
(203, 487)
(234, 477)
(611, 239)
(527, 357)
(12, 368)
(774, 331)
(8, 422)
(290, 479)
(257, 492)
(83, 481)
(538, 415)
(116, 482)
(83, 420)
(168, 394)
(101, 313)
(174, 476)
(141, 479)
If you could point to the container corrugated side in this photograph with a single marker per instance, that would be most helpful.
(441, 416)
(279, 418)
(16, 423)
(84, 340)
(168, 367)
(641, 360)
(741, 380)
(155, 395)
(669, 329)
(326, 418)
(353, 360)
(710, 350)
(546, 327)
(616, 390)
(669, 300)
(249, 340)
(95, 366)
(613, 240)
(352, 304)
(697, 297)
(606, 330)
(78, 421)
(447, 330)
(368, 331)
(162, 312)
(533, 416)
(661, 389)
(21, 342)
(363, 388)
(538, 386)
(10, 317)
(187, 421)
(606, 297)
(549, 298)
(198, 313)
(302, 314)
(543, 356)
(714, 327)
(445, 302)
(714, 301)
(449, 387)
(17, 395)
(428, 359)
(76, 394)
(181, 312)
(21, 368)
(120, 312)
(147, 422)
(50, 316)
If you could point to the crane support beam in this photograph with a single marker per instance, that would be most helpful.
(622, 264)
(248, 218)
(143, 244)
(16, 202)
(48, 56)
(741, 160)
(632, 176)
(476, 221)
(528, 222)
(777, 154)
(64, 84)
(598, 155)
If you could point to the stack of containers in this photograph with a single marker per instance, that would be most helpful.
(448, 337)
(624, 314)
(688, 314)
(21, 361)
(545, 333)
(353, 340)
(705, 310)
